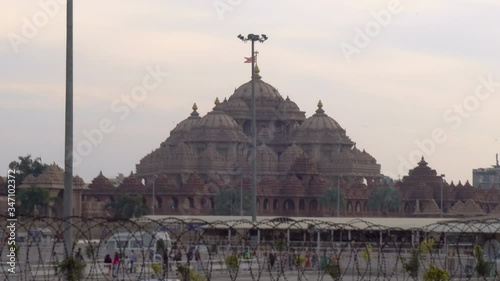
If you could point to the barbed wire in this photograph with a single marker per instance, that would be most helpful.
(239, 249)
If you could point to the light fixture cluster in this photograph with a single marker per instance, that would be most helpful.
(253, 37)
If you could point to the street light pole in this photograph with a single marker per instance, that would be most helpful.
(154, 197)
(260, 38)
(442, 179)
(338, 196)
(241, 194)
(68, 138)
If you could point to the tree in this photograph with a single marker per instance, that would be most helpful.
(27, 165)
(384, 199)
(330, 199)
(33, 199)
(128, 206)
(227, 202)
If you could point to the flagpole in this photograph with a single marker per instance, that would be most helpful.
(261, 38)
(254, 143)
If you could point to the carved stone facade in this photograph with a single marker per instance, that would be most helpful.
(52, 179)
(297, 159)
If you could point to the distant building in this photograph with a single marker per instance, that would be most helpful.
(487, 177)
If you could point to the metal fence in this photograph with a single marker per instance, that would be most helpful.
(309, 249)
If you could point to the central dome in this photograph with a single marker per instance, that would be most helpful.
(264, 92)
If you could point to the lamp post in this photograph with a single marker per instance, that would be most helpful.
(68, 136)
(154, 197)
(241, 194)
(338, 196)
(442, 179)
(252, 38)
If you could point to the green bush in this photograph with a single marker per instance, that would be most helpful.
(483, 267)
(161, 247)
(367, 253)
(71, 268)
(413, 264)
(434, 273)
(156, 268)
(232, 262)
(333, 269)
(184, 272)
(187, 274)
(300, 260)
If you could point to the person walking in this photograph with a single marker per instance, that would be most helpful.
(107, 263)
(116, 263)
(131, 258)
(165, 264)
(79, 255)
(197, 258)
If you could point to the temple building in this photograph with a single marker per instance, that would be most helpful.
(298, 158)
(296, 155)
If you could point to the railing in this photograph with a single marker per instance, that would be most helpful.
(263, 256)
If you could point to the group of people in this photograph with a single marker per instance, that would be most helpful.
(115, 263)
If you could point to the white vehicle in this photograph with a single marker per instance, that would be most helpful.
(143, 243)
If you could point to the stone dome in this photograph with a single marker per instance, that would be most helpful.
(78, 182)
(264, 92)
(188, 123)
(53, 174)
(288, 106)
(216, 126)
(320, 121)
(217, 120)
(289, 156)
(101, 182)
(320, 128)
(131, 182)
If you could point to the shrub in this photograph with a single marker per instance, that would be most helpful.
(71, 268)
(333, 269)
(413, 264)
(300, 260)
(184, 272)
(367, 253)
(156, 268)
(188, 275)
(434, 273)
(232, 262)
(483, 267)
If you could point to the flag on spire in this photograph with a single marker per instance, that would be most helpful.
(254, 58)
(249, 60)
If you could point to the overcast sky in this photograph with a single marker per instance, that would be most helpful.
(392, 73)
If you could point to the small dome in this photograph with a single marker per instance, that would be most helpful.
(100, 182)
(78, 181)
(320, 121)
(288, 106)
(187, 124)
(217, 120)
(320, 128)
(131, 182)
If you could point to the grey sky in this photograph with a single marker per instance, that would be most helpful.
(395, 92)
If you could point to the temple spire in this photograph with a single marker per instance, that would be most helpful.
(195, 113)
(256, 71)
(320, 108)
